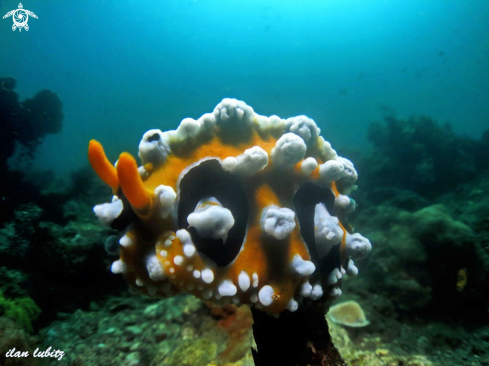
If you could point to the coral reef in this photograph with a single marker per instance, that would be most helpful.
(433, 158)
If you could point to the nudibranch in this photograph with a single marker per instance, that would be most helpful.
(233, 207)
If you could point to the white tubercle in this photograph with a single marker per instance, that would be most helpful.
(125, 241)
(288, 151)
(304, 127)
(278, 222)
(227, 288)
(302, 267)
(305, 289)
(334, 276)
(118, 267)
(229, 164)
(262, 122)
(183, 235)
(108, 212)
(207, 275)
(166, 197)
(309, 165)
(251, 161)
(335, 292)
(292, 305)
(255, 279)
(154, 147)
(350, 175)
(276, 123)
(155, 269)
(357, 246)
(231, 113)
(244, 281)
(330, 171)
(211, 219)
(351, 269)
(317, 292)
(178, 260)
(188, 128)
(342, 202)
(189, 250)
(139, 282)
(325, 147)
(327, 230)
(265, 295)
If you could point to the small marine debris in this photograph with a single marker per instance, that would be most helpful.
(461, 279)
(348, 313)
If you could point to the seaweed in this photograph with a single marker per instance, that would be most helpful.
(22, 309)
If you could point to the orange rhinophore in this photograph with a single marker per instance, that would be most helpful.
(102, 166)
(131, 183)
(233, 207)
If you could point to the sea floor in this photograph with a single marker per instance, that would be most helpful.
(135, 331)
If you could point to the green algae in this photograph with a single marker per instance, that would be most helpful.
(22, 309)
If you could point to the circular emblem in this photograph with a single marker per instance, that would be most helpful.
(20, 18)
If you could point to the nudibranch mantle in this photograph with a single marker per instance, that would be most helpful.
(233, 207)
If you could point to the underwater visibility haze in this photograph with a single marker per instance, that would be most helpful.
(255, 141)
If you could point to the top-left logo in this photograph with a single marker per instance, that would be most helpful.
(20, 17)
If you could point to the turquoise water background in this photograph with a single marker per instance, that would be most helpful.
(123, 67)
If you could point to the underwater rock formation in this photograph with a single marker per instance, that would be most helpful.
(421, 155)
(417, 258)
(57, 227)
(23, 125)
(237, 207)
(26, 122)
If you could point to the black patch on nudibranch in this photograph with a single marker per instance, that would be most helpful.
(305, 200)
(208, 179)
(126, 217)
(154, 137)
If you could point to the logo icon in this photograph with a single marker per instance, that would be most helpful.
(20, 17)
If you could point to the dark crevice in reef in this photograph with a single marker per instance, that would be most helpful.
(208, 179)
(305, 201)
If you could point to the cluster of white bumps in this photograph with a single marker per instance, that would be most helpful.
(212, 220)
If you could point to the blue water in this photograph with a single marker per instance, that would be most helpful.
(122, 67)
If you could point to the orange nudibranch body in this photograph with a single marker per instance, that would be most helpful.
(233, 207)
